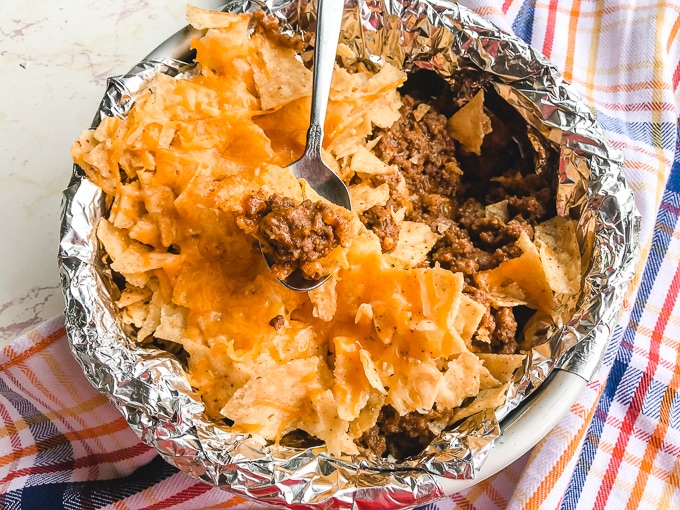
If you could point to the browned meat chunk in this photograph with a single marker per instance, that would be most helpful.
(402, 436)
(379, 219)
(291, 234)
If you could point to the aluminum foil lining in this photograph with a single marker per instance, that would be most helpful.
(150, 387)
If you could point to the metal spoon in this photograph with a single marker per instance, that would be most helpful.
(311, 166)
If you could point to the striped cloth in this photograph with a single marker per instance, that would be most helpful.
(62, 445)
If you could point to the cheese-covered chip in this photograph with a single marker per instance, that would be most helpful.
(520, 279)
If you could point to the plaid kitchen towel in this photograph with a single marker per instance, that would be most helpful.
(62, 445)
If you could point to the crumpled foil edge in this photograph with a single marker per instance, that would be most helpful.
(149, 386)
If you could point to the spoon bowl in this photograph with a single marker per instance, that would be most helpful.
(297, 279)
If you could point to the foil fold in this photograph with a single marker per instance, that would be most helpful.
(150, 387)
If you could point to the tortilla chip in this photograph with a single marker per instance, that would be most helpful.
(469, 315)
(499, 209)
(470, 124)
(364, 196)
(486, 380)
(520, 279)
(502, 366)
(560, 254)
(281, 78)
(415, 242)
(364, 161)
(490, 398)
(461, 380)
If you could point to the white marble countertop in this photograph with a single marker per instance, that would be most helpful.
(54, 61)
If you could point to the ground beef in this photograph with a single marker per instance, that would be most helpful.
(503, 339)
(470, 211)
(379, 219)
(427, 158)
(290, 234)
(373, 440)
(278, 322)
(528, 208)
(507, 252)
(493, 233)
(500, 323)
(423, 151)
(456, 251)
(402, 436)
(393, 180)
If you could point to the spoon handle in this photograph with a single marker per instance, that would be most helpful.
(328, 21)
